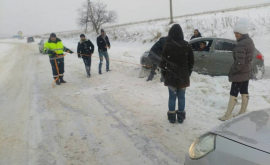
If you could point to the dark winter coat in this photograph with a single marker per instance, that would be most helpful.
(199, 35)
(156, 50)
(241, 69)
(85, 47)
(177, 59)
(101, 43)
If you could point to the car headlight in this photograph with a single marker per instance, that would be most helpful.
(202, 146)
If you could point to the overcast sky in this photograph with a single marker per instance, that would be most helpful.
(42, 16)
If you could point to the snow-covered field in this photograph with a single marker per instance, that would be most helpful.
(116, 117)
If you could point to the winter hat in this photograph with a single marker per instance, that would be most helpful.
(242, 26)
(102, 30)
(176, 33)
(82, 35)
(53, 35)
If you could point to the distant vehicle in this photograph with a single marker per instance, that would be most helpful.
(41, 46)
(30, 39)
(244, 140)
(218, 60)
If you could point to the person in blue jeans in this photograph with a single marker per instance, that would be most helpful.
(103, 44)
(177, 93)
(177, 61)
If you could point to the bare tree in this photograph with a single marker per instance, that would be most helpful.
(95, 15)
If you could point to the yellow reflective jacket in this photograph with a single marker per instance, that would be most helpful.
(56, 46)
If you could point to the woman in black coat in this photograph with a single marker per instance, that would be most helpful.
(176, 63)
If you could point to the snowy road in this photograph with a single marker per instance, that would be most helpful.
(114, 118)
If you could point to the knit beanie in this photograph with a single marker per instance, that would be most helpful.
(242, 26)
(53, 35)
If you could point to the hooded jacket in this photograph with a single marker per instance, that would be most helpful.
(85, 47)
(241, 69)
(177, 59)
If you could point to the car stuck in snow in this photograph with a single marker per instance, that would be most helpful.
(217, 59)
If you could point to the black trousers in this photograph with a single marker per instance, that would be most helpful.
(87, 61)
(61, 66)
(237, 87)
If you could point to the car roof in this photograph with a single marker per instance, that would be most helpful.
(210, 38)
(252, 129)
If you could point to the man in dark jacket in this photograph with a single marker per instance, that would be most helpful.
(55, 48)
(176, 63)
(241, 70)
(197, 34)
(155, 56)
(103, 45)
(85, 50)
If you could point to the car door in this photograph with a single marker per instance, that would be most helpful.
(201, 57)
(222, 57)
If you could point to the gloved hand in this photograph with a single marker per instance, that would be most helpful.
(79, 56)
(71, 52)
(53, 54)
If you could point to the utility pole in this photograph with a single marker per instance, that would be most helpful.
(171, 9)
(87, 16)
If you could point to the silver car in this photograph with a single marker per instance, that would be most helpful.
(41, 46)
(218, 58)
(244, 140)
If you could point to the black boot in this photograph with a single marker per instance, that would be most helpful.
(100, 72)
(171, 116)
(181, 116)
(62, 79)
(58, 81)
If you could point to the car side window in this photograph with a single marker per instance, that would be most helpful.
(196, 45)
(224, 46)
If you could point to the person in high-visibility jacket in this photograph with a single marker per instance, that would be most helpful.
(54, 47)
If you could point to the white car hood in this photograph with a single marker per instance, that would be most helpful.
(252, 129)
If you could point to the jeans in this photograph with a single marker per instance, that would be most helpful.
(106, 55)
(87, 63)
(180, 94)
(237, 87)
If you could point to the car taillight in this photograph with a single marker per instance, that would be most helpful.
(260, 57)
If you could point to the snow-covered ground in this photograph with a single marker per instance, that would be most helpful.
(116, 117)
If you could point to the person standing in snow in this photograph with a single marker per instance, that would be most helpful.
(176, 63)
(241, 70)
(85, 50)
(155, 55)
(54, 47)
(103, 45)
(197, 34)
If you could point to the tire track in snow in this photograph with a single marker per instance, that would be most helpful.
(147, 146)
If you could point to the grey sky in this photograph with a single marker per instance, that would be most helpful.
(42, 16)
